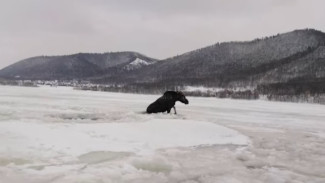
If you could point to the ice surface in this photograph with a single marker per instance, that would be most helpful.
(62, 135)
(31, 139)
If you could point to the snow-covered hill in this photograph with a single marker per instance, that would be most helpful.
(76, 66)
(136, 64)
(62, 135)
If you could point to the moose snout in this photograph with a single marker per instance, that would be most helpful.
(186, 102)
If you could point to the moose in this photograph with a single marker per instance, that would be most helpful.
(167, 102)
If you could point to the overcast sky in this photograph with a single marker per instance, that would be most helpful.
(156, 28)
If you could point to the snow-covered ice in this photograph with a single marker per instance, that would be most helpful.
(57, 134)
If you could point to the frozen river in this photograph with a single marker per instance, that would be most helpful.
(60, 135)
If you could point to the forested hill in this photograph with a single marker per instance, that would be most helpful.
(280, 58)
(81, 66)
(293, 57)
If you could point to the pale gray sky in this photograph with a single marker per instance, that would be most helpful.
(156, 28)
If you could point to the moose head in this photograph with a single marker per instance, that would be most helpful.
(181, 97)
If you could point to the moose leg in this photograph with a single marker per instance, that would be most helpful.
(175, 109)
(168, 111)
